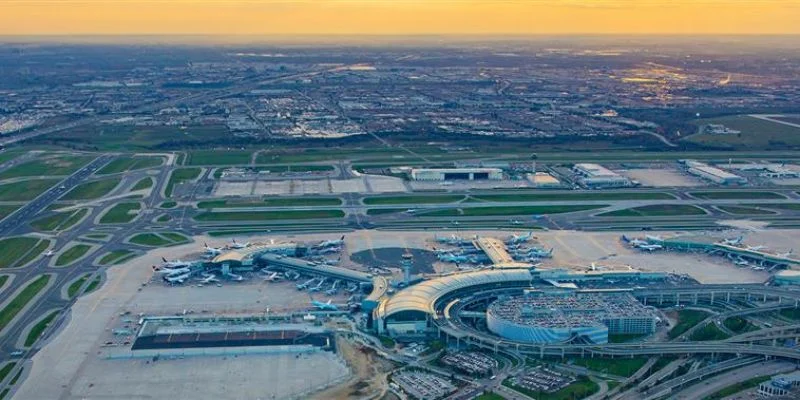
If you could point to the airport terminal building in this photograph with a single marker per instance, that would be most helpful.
(448, 174)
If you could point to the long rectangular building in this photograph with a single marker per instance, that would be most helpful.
(447, 174)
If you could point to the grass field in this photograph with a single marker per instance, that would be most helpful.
(144, 183)
(72, 254)
(6, 370)
(164, 218)
(211, 216)
(58, 165)
(737, 195)
(116, 257)
(593, 196)
(790, 313)
(273, 202)
(165, 239)
(93, 284)
(783, 206)
(98, 236)
(168, 205)
(218, 157)
(614, 366)
(121, 213)
(18, 303)
(13, 251)
(623, 338)
(503, 211)
(3, 280)
(124, 164)
(657, 210)
(686, 320)
(411, 200)
(60, 221)
(755, 134)
(37, 330)
(738, 387)
(709, 332)
(580, 389)
(5, 156)
(92, 190)
(73, 288)
(103, 137)
(740, 210)
(490, 396)
(384, 211)
(7, 209)
(25, 190)
(739, 325)
(180, 175)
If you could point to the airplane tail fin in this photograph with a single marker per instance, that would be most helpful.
(625, 239)
(342, 238)
(163, 259)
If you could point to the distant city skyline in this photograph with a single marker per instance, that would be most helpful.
(397, 17)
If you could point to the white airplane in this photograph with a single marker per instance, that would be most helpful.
(236, 245)
(653, 238)
(650, 247)
(234, 277)
(756, 248)
(787, 254)
(324, 306)
(177, 278)
(173, 264)
(331, 243)
(515, 239)
(758, 268)
(49, 253)
(209, 278)
(741, 262)
(171, 271)
(212, 251)
(273, 278)
(733, 241)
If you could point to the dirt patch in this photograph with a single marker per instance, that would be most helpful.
(369, 373)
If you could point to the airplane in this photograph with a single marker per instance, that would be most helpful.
(177, 278)
(633, 241)
(410, 211)
(515, 239)
(318, 287)
(515, 222)
(49, 253)
(329, 250)
(331, 243)
(453, 239)
(209, 279)
(787, 254)
(273, 278)
(650, 247)
(304, 285)
(325, 306)
(212, 251)
(450, 257)
(332, 291)
(236, 245)
(653, 238)
(733, 241)
(234, 277)
(758, 268)
(171, 271)
(756, 248)
(540, 253)
(174, 264)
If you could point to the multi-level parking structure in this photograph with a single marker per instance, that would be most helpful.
(426, 307)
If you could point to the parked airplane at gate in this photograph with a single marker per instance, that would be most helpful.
(325, 306)
(516, 239)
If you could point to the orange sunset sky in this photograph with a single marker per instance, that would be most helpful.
(398, 17)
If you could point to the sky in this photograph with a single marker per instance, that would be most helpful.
(397, 17)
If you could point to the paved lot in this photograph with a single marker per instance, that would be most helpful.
(662, 177)
(272, 376)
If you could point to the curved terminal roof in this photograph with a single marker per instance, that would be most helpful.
(421, 297)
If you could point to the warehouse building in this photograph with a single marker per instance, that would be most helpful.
(596, 176)
(448, 174)
(713, 174)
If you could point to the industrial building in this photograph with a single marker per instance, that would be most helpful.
(713, 174)
(564, 316)
(597, 176)
(447, 174)
(781, 385)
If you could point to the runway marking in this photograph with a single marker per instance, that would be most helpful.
(598, 245)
